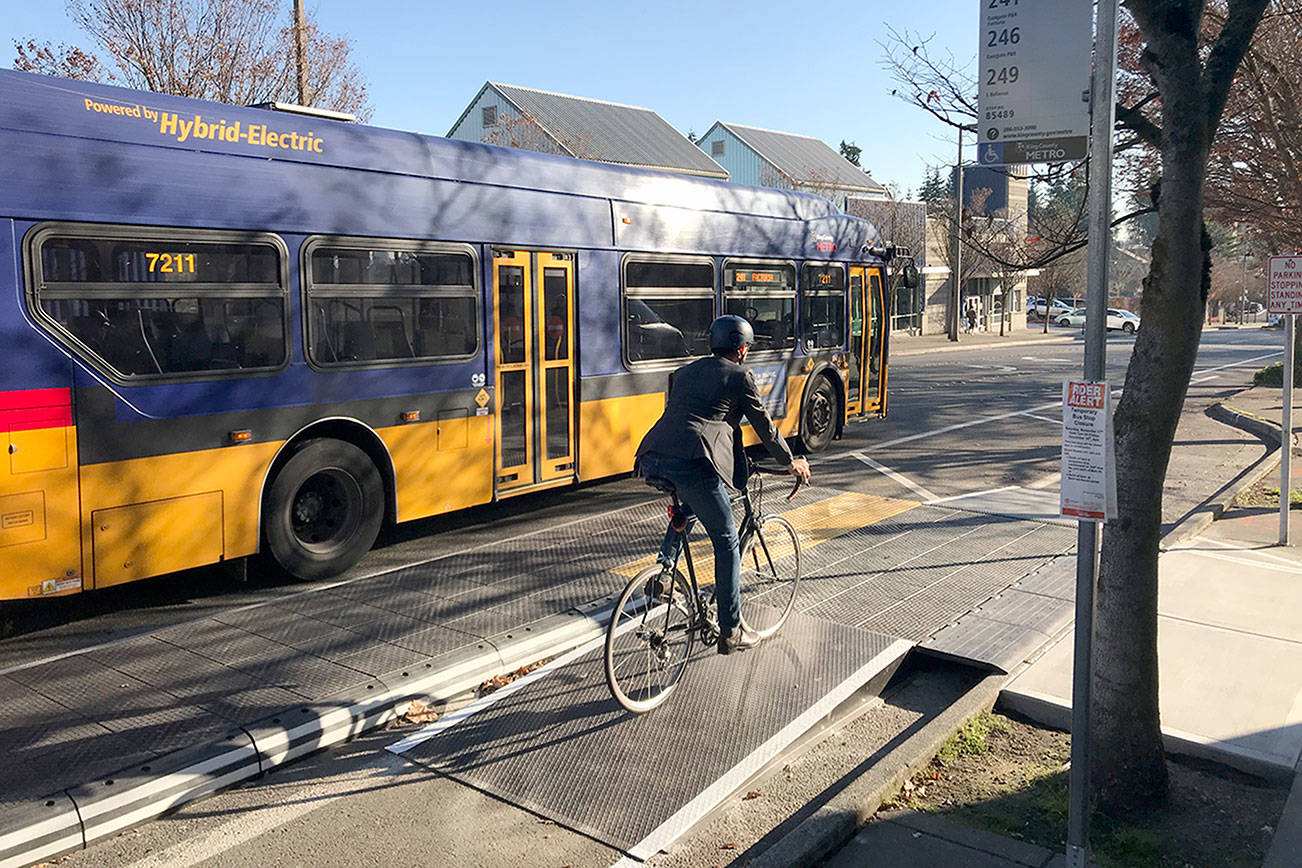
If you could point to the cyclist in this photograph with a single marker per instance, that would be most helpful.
(696, 445)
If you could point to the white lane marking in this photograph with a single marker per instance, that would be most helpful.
(898, 477)
(1044, 419)
(424, 734)
(970, 494)
(686, 816)
(1056, 361)
(1204, 379)
(1046, 481)
(922, 435)
(1240, 362)
(1003, 369)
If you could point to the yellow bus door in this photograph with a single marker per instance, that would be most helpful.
(878, 311)
(39, 506)
(534, 355)
(854, 382)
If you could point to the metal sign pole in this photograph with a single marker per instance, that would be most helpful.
(1286, 431)
(1096, 312)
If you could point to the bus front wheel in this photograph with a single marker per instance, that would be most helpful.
(324, 509)
(818, 418)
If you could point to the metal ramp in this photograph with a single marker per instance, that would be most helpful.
(557, 744)
(1024, 616)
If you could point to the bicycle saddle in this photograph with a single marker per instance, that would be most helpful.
(659, 483)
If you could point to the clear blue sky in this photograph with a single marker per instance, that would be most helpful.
(810, 67)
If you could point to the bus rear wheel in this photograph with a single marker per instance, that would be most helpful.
(324, 509)
(818, 417)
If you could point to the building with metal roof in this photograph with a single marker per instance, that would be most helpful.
(573, 126)
(767, 158)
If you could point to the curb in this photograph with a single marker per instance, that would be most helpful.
(840, 817)
(74, 818)
(1051, 712)
(1222, 500)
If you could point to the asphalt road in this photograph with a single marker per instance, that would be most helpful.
(959, 422)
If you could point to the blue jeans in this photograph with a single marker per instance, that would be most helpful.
(703, 493)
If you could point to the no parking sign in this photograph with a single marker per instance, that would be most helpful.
(1284, 288)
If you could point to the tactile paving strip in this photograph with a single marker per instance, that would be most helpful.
(626, 776)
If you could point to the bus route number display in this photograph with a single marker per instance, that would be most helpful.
(1033, 96)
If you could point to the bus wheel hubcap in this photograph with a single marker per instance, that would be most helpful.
(321, 509)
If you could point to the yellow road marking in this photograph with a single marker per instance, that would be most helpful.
(815, 523)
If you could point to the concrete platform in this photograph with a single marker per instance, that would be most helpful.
(1229, 648)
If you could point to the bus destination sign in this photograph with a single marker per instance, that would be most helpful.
(1033, 97)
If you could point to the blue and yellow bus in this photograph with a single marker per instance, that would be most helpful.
(231, 330)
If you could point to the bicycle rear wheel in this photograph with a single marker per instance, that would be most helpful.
(649, 640)
(770, 576)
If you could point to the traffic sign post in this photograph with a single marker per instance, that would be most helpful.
(1033, 96)
(1284, 296)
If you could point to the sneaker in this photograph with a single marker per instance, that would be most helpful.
(738, 640)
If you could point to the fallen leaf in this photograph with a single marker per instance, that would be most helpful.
(728, 846)
(753, 794)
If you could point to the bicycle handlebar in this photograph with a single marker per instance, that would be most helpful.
(774, 471)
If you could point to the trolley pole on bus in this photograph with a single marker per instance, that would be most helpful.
(300, 50)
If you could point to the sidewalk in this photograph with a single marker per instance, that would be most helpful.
(915, 345)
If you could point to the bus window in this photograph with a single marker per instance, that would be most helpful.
(822, 307)
(765, 294)
(398, 302)
(668, 308)
(144, 303)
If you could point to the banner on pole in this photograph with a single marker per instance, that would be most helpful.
(1089, 477)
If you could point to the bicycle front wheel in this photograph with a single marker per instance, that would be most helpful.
(649, 639)
(770, 576)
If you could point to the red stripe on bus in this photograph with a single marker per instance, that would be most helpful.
(39, 417)
(30, 398)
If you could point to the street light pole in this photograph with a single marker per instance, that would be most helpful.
(956, 277)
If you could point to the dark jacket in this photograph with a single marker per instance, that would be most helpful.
(702, 419)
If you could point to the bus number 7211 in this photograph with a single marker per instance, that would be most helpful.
(170, 263)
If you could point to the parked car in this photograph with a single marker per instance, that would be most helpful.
(1072, 319)
(1057, 307)
(1123, 319)
(1118, 320)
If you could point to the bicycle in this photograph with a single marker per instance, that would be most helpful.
(660, 612)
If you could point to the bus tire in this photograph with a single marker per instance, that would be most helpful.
(819, 416)
(323, 509)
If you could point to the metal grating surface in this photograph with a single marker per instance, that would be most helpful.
(907, 574)
(726, 708)
(1029, 504)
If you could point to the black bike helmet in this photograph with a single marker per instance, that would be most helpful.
(730, 332)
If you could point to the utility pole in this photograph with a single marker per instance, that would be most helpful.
(956, 276)
(1102, 118)
(300, 50)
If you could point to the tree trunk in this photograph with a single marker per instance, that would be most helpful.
(1129, 768)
